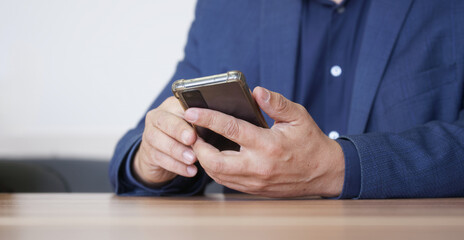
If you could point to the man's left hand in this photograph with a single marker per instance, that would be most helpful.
(293, 158)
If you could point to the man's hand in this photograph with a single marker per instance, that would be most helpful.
(293, 158)
(165, 150)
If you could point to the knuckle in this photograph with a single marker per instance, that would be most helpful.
(149, 117)
(169, 124)
(156, 118)
(174, 167)
(172, 148)
(300, 108)
(177, 130)
(159, 122)
(168, 102)
(172, 129)
(282, 104)
(211, 120)
(232, 128)
(151, 113)
(171, 99)
(148, 136)
(164, 162)
(157, 159)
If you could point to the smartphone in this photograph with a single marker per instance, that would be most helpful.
(227, 93)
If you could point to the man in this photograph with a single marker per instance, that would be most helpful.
(366, 98)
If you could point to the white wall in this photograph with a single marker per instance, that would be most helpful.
(76, 74)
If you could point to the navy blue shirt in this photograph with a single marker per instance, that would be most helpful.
(329, 45)
(330, 40)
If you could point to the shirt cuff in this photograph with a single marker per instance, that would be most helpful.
(179, 186)
(352, 182)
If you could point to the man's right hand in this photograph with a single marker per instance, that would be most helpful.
(165, 150)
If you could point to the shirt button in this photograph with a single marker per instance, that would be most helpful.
(336, 71)
(340, 10)
(334, 135)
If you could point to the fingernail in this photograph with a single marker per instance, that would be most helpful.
(191, 115)
(186, 137)
(266, 96)
(188, 156)
(191, 170)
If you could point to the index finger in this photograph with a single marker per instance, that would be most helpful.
(173, 126)
(237, 130)
(217, 162)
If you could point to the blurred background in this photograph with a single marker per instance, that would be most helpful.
(76, 75)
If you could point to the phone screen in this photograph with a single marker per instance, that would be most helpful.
(228, 98)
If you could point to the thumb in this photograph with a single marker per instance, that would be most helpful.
(277, 106)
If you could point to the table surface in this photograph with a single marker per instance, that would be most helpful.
(106, 216)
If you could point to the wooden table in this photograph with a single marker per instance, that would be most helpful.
(106, 216)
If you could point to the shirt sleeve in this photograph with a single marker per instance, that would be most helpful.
(352, 181)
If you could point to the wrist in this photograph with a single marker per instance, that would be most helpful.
(334, 171)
